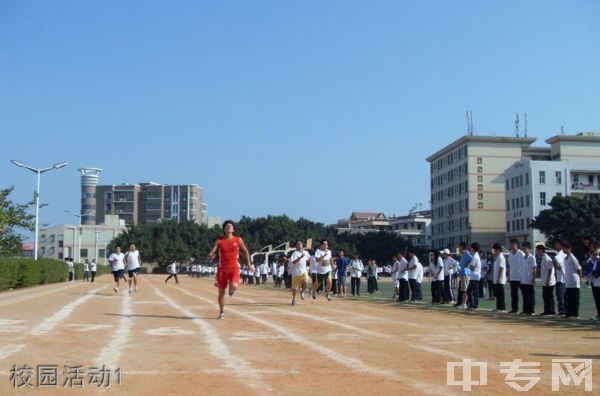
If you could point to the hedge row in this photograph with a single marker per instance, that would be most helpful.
(16, 272)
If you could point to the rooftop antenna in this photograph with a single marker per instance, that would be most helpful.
(517, 125)
(525, 122)
(562, 129)
(470, 122)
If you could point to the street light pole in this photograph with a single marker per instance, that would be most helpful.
(39, 172)
(78, 215)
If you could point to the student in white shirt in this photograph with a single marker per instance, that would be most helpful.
(274, 272)
(93, 268)
(323, 258)
(528, 266)
(594, 276)
(133, 260)
(412, 273)
(117, 266)
(548, 279)
(299, 259)
(419, 279)
(86, 271)
(356, 269)
(394, 275)
(572, 282)
(436, 273)
(499, 277)
(280, 273)
(172, 270)
(515, 258)
(475, 271)
(559, 271)
(449, 266)
(264, 272)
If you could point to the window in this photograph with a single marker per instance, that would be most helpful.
(479, 160)
(528, 223)
(479, 169)
(479, 179)
(542, 177)
(507, 204)
(521, 202)
(527, 200)
(526, 179)
(542, 198)
(558, 177)
(480, 197)
(507, 185)
(84, 253)
(480, 205)
(522, 224)
(480, 187)
(508, 226)
(512, 183)
(520, 180)
(101, 253)
(60, 244)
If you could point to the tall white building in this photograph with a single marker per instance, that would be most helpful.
(570, 166)
(467, 188)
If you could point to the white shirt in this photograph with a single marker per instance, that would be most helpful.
(356, 268)
(133, 260)
(300, 267)
(449, 265)
(528, 266)
(264, 269)
(560, 264)
(323, 268)
(93, 266)
(280, 270)
(515, 261)
(412, 273)
(419, 272)
(86, 266)
(547, 271)
(173, 268)
(572, 269)
(435, 267)
(116, 260)
(475, 267)
(500, 262)
(274, 269)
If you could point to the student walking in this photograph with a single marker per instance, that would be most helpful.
(356, 269)
(172, 270)
(93, 270)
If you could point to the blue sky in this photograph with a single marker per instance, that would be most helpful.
(309, 108)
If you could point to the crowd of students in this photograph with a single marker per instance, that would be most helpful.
(560, 276)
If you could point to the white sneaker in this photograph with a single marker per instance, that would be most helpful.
(463, 306)
(221, 316)
(115, 289)
(135, 290)
(130, 291)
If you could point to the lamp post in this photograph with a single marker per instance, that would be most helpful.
(39, 172)
(74, 233)
(78, 257)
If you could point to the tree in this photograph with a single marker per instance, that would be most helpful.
(572, 219)
(12, 216)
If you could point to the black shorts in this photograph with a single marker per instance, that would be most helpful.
(134, 272)
(118, 274)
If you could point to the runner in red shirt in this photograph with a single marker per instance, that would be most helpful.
(228, 269)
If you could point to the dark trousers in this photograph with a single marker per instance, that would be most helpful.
(419, 291)
(372, 284)
(437, 291)
(448, 294)
(355, 286)
(596, 294)
(514, 295)
(572, 295)
(548, 296)
(403, 290)
(499, 294)
(482, 284)
(172, 276)
(528, 298)
(560, 298)
(264, 278)
(473, 292)
(93, 276)
(491, 288)
(413, 289)
(334, 286)
(275, 280)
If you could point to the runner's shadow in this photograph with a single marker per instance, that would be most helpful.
(159, 316)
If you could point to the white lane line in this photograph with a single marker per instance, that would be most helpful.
(7, 350)
(237, 366)
(50, 323)
(28, 294)
(89, 327)
(112, 352)
(345, 360)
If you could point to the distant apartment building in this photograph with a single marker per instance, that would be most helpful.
(415, 227)
(148, 203)
(468, 188)
(569, 166)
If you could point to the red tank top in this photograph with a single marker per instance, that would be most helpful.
(229, 253)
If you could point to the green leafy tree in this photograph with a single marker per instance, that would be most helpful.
(570, 218)
(12, 217)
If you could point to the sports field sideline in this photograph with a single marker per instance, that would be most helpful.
(165, 340)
